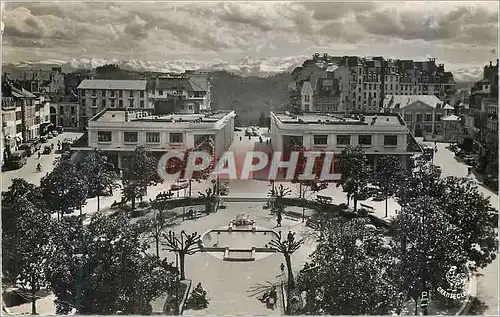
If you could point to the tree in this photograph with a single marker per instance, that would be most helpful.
(279, 193)
(355, 173)
(349, 272)
(184, 244)
(100, 174)
(388, 176)
(107, 270)
(65, 188)
(287, 248)
(140, 172)
(26, 248)
(422, 180)
(426, 245)
(474, 217)
(156, 226)
(210, 197)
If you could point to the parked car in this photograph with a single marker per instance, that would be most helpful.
(379, 196)
(60, 129)
(180, 184)
(43, 139)
(17, 159)
(28, 148)
(36, 143)
(47, 149)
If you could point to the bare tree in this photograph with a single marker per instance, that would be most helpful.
(155, 227)
(185, 244)
(287, 248)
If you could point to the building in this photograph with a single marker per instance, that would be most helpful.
(119, 132)
(97, 94)
(421, 113)
(185, 93)
(11, 128)
(40, 81)
(378, 134)
(486, 87)
(64, 112)
(491, 107)
(363, 83)
(27, 112)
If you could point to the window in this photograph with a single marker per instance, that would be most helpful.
(72, 109)
(104, 136)
(438, 117)
(365, 139)
(131, 103)
(428, 128)
(190, 107)
(83, 102)
(112, 103)
(153, 137)
(142, 94)
(142, 103)
(161, 92)
(306, 98)
(112, 93)
(419, 117)
(408, 117)
(120, 103)
(176, 138)
(320, 139)
(428, 117)
(390, 140)
(93, 92)
(306, 108)
(19, 128)
(103, 103)
(130, 137)
(120, 93)
(343, 139)
(94, 103)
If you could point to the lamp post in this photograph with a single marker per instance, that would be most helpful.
(177, 312)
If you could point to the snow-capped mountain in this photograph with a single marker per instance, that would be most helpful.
(247, 66)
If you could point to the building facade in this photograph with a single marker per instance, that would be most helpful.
(94, 95)
(185, 93)
(421, 113)
(119, 132)
(378, 134)
(363, 83)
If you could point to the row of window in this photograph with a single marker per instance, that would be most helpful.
(112, 93)
(133, 137)
(389, 140)
(418, 117)
(112, 103)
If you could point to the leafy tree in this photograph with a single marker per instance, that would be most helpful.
(100, 174)
(140, 172)
(388, 176)
(156, 226)
(65, 188)
(422, 180)
(184, 244)
(27, 247)
(287, 248)
(355, 173)
(473, 216)
(114, 271)
(426, 245)
(349, 272)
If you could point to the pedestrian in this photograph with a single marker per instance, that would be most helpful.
(291, 237)
(241, 138)
(282, 268)
(469, 171)
(278, 219)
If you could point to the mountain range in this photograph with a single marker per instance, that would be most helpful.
(247, 66)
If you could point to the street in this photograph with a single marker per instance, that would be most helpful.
(28, 171)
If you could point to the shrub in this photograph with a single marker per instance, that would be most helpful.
(143, 204)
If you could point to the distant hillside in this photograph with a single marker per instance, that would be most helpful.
(249, 96)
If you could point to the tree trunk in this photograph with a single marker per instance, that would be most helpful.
(133, 203)
(157, 241)
(386, 198)
(290, 284)
(98, 201)
(355, 202)
(181, 264)
(33, 304)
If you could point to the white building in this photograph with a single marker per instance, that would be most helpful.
(421, 113)
(97, 94)
(381, 134)
(119, 132)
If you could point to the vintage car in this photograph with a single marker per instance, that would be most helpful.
(47, 149)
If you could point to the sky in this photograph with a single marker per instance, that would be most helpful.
(462, 33)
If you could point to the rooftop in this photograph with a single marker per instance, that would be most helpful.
(451, 118)
(113, 84)
(340, 119)
(144, 116)
(401, 101)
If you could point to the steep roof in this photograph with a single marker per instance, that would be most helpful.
(113, 84)
(401, 101)
(187, 84)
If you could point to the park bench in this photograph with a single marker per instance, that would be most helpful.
(370, 208)
(324, 199)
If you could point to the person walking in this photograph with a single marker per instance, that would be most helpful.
(278, 219)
